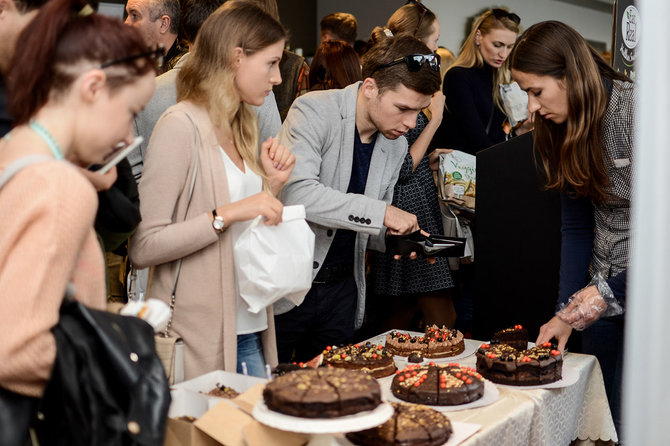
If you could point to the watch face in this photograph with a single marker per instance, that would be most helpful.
(218, 224)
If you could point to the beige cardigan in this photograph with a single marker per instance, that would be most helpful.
(205, 309)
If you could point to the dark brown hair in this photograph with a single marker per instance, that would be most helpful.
(193, 15)
(55, 41)
(572, 152)
(425, 81)
(342, 24)
(335, 65)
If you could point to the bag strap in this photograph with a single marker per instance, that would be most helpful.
(17, 165)
(166, 332)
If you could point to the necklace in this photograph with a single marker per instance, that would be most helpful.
(48, 138)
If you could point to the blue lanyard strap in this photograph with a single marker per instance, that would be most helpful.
(46, 136)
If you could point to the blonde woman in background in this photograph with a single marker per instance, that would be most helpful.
(408, 286)
(234, 63)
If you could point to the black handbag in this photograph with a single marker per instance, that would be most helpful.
(107, 387)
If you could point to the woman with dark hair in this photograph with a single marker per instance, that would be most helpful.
(583, 114)
(234, 64)
(406, 286)
(335, 65)
(76, 83)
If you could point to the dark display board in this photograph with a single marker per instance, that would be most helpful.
(626, 37)
(517, 241)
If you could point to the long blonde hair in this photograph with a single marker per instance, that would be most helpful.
(470, 55)
(208, 76)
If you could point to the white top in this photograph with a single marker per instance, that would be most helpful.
(240, 186)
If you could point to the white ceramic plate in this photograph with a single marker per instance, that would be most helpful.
(349, 423)
(490, 396)
(570, 376)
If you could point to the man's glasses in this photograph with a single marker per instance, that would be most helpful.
(414, 62)
(157, 54)
(501, 14)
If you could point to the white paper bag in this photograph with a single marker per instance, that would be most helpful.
(272, 262)
(515, 102)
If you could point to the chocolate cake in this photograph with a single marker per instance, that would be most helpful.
(516, 336)
(438, 384)
(410, 425)
(368, 357)
(326, 392)
(504, 364)
(437, 342)
(222, 391)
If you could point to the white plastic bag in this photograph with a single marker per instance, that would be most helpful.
(272, 262)
(515, 102)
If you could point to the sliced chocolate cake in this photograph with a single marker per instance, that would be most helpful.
(503, 364)
(516, 336)
(438, 384)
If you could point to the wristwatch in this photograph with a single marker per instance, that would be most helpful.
(218, 224)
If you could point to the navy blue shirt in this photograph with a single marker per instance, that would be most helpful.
(577, 244)
(342, 249)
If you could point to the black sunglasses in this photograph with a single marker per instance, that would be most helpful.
(501, 14)
(414, 62)
(157, 55)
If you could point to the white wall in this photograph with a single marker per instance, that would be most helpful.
(454, 14)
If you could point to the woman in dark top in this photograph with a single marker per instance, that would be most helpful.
(405, 286)
(583, 135)
(474, 116)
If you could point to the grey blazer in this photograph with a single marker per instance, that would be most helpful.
(165, 96)
(319, 129)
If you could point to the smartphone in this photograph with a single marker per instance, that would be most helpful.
(122, 152)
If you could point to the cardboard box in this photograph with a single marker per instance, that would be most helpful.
(220, 421)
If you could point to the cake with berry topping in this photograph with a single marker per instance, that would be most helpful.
(410, 425)
(503, 364)
(325, 392)
(438, 384)
(437, 342)
(516, 336)
(368, 357)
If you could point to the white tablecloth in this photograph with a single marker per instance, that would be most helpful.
(543, 417)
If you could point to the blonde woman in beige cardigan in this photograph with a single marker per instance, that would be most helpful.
(234, 64)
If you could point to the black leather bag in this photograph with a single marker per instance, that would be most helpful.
(16, 414)
(108, 386)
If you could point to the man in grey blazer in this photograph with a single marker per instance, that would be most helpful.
(348, 155)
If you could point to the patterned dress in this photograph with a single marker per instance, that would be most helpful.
(414, 192)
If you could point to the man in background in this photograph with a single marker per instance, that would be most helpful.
(158, 23)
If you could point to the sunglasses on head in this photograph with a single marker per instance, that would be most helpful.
(414, 62)
(501, 14)
(424, 10)
(157, 54)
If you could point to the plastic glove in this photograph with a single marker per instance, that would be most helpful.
(590, 304)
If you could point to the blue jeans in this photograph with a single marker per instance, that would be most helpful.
(250, 350)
